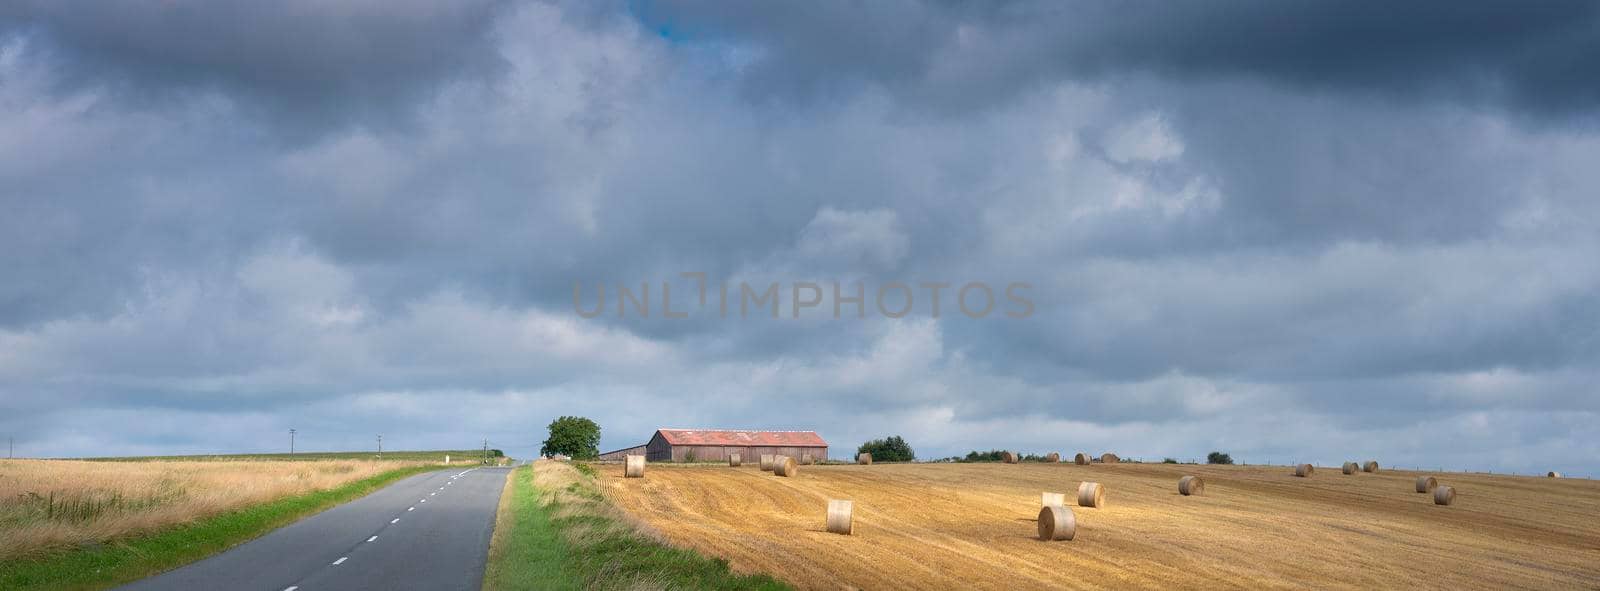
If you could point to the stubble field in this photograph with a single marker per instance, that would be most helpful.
(945, 526)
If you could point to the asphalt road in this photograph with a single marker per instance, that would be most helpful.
(430, 531)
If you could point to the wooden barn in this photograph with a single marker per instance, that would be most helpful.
(622, 454)
(714, 445)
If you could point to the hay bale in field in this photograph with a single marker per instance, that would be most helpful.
(1552, 474)
(735, 460)
(1051, 499)
(840, 517)
(1056, 523)
(1426, 484)
(1082, 459)
(1370, 466)
(1444, 495)
(807, 459)
(1304, 470)
(633, 467)
(1350, 468)
(1053, 457)
(1109, 458)
(1191, 486)
(864, 459)
(785, 466)
(1091, 494)
(1008, 457)
(767, 461)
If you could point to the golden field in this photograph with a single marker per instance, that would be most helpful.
(53, 504)
(972, 526)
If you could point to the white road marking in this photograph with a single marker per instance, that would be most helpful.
(412, 509)
(395, 520)
(372, 539)
(340, 560)
(432, 494)
(423, 501)
(292, 588)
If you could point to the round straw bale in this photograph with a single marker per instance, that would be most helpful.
(767, 461)
(1304, 470)
(735, 460)
(864, 459)
(1444, 495)
(1370, 466)
(1056, 523)
(1053, 457)
(1191, 485)
(785, 466)
(1109, 458)
(807, 459)
(1051, 499)
(1426, 484)
(1008, 457)
(1082, 459)
(1552, 474)
(633, 467)
(1091, 494)
(840, 519)
(1350, 468)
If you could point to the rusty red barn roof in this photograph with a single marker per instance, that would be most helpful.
(742, 438)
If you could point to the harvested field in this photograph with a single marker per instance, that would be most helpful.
(944, 526)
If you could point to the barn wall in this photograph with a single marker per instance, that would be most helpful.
(658, 450)
(750, 455)
(619, 454)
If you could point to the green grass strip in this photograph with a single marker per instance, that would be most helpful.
(588, 549)
(531, 555)
(138, 557)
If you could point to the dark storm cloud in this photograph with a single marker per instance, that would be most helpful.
(313, 63)
(1532, 56)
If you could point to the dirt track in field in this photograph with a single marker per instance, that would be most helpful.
(949, 526)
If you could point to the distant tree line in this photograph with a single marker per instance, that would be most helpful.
(993, 455)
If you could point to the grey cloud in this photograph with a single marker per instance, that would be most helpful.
(310, 63)
(1225, 253)
(960, 55)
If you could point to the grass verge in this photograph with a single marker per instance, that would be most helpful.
(557, 531)
(142, 556)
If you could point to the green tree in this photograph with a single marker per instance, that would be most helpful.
(892, 449)
(1218, 457)
(577, 437)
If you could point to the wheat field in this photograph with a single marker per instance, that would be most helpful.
(48, 505)
(972, 526)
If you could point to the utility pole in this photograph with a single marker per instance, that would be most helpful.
(11, 447)
(380, 447)
(291, 442)
(486, 451)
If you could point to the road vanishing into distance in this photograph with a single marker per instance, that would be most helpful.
(430, 531)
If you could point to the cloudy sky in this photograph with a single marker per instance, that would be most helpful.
(1291, 231)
